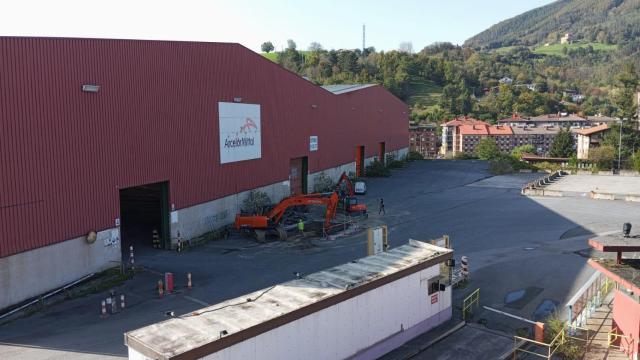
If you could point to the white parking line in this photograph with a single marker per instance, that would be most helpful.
(196, 300)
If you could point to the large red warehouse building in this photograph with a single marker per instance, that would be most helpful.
(96, 135)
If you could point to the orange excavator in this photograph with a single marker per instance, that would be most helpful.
(348, 200)
(260, 224)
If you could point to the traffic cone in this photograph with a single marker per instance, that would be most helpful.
(160, 289)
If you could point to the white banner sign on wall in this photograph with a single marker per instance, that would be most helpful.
(313, 143)
(240, 137)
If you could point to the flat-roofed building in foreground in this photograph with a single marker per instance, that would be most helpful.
(359, 310)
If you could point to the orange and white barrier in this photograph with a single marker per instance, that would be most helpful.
(122, 302)
(189, 281)
(131, 259)
(160, 289)
(465, 267)
(110, 305)
(179, 247)
(103, 312)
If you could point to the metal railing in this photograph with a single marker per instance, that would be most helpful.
(469, 302)
(613, 336)
(587, 299)
(547, 350)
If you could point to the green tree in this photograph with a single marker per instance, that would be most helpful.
(487, 149)
(291, 45)
(267, 47)
(603, 156)
(627, 83)
(562, 145)
(636, 161)
(519, 150)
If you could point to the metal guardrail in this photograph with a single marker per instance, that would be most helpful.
(469, 301)
(456, 276)
(587, 299)
(613, 336)
(547, 350)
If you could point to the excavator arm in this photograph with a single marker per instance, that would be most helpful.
(344, 179)
(330, 200)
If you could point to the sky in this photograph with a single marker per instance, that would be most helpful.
(335, 24)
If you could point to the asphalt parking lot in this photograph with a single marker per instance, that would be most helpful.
(513, 243)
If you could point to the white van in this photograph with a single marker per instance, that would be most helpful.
(360, 188)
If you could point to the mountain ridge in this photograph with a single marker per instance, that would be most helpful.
(602, 21)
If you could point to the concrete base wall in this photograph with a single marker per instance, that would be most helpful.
(196, 220)
(35, 272)
(199, 219)
(333, 173)
(394, 154)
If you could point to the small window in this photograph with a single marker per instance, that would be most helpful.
(434, 285)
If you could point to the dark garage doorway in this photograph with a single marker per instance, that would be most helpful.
(144, 209)
(298, 172)
(360, 168)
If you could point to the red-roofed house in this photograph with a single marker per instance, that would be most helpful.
(590, 138)
(503, 136)
(450, 134)
(469, 136)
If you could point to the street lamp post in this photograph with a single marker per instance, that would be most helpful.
(620, 145)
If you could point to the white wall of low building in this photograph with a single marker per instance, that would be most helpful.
(350, 328)
(35, 272)
(583, 147)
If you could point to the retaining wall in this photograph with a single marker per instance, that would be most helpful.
(35, 272)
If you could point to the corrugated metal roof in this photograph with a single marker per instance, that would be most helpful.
(345, 88)
(202, 327)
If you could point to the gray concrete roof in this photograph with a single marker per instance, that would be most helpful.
(535, 130)
(203, 327)
(556, 117)
(345, 88)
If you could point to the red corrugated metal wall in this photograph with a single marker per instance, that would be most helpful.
(65, 153)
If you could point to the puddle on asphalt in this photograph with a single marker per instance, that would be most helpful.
(546, 308)
(514, 296)
(518, 299)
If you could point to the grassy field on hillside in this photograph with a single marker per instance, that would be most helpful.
(273, 56)
(556, 49)
(424, 92)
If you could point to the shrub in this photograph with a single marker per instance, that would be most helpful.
(545, 165)
(487, 149)
(323, 183)
(395, 164)
(500, 166)
(465, 156)
(602, 156)
(414, 155)
(255, 202)
(377, 169)
(636, 161)
(519, 150)
(570, 349)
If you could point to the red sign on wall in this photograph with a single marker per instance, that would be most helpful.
(434, 298)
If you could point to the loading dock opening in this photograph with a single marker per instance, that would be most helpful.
(144, 209)
(381, 153)
(298, 173)
(360, 161)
